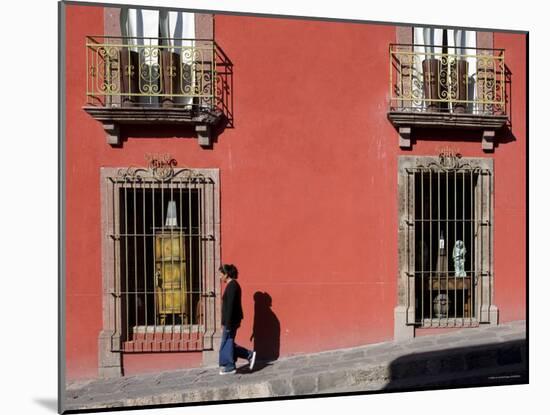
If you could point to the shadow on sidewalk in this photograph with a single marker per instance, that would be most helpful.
(486, 365)
(257, 367)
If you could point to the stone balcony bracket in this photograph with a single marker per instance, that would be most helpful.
(204, 121)
(488, 125)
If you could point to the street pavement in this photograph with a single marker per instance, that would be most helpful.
(467, 357)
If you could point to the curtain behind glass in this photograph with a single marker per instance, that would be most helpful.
(429, 38)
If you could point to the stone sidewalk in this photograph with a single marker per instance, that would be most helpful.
(467, 357)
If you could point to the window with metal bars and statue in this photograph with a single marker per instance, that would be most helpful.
(162, 228)
(449, 240)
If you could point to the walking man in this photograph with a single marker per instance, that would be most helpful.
(232, 314)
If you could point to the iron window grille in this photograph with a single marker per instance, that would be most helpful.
(447, 240)
(161, 248)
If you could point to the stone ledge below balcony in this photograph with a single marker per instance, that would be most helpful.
(447, 120)
(204, 120)
(404, 122)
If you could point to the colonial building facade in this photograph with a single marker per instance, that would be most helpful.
(368, 181)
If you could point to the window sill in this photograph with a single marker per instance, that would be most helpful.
(167, 341)
(450, 322)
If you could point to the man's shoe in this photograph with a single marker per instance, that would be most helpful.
(252, 360)
(225, 371)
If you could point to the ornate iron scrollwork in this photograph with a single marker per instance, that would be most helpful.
(161, 168)
(449, 159)
(475, 81)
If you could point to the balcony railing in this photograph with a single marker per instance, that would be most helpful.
(428, 78)
(185, 82)
(156, 72)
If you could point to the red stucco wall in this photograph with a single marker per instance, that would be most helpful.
(510, 189)
(308, 190)
(83, 243)
(308, 185)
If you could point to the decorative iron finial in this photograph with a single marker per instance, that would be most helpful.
(161, 165)
(449, 158)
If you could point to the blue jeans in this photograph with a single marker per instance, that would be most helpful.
(230, 351)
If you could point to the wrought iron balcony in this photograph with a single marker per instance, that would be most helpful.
(157, 80)
(435, 86)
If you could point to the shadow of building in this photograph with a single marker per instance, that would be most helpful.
(503, 363)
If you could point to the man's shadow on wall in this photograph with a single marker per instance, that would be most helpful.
(266, 331)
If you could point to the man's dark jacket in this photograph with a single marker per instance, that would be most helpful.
(232, 311)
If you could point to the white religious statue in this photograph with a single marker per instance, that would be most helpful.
(459, 258)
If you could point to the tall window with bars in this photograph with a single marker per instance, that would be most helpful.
(161, 226)
(446, 238)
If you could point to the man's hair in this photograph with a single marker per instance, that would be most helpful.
(230, 270)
